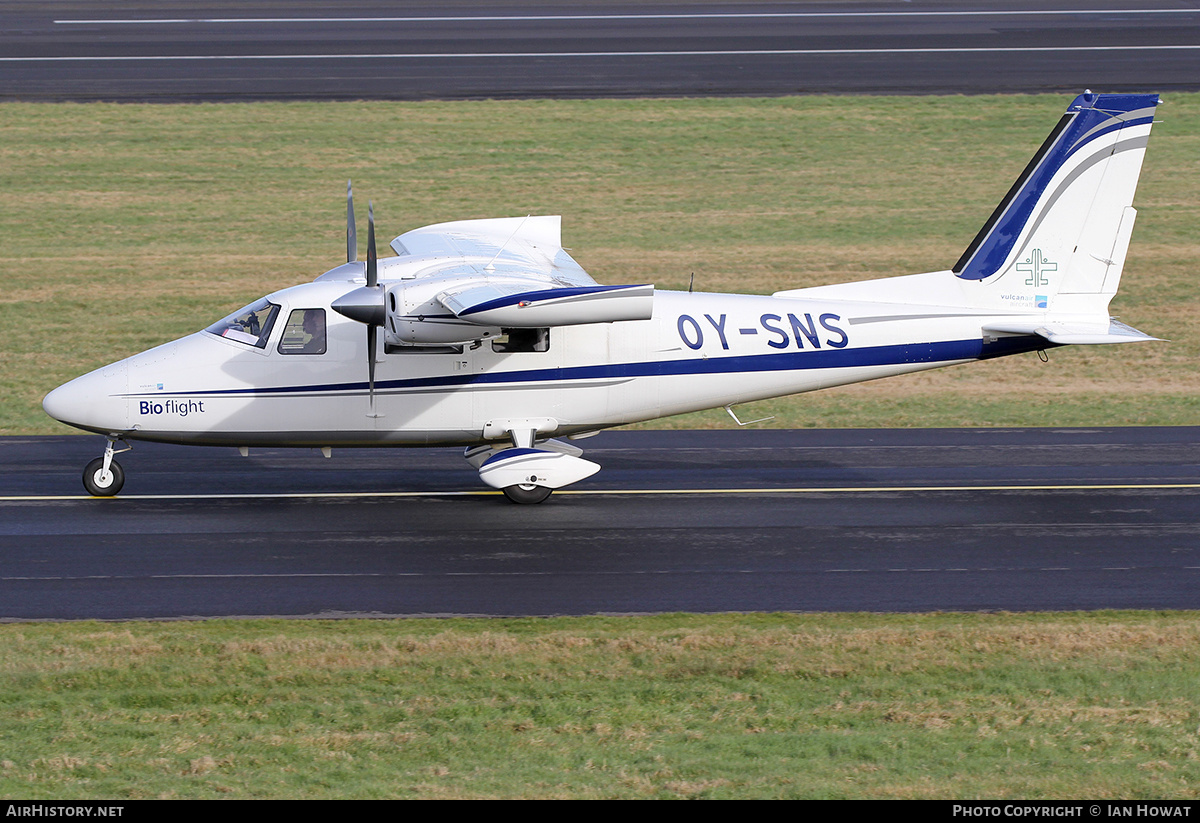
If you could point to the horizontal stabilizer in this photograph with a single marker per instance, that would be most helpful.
(518, 467)
(498, 305)
(1082, 334)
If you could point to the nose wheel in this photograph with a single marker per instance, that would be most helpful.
(102, 483)
(104, 477)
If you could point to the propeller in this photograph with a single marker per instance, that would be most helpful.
(364, 304)
(372, 284)
(351, 229)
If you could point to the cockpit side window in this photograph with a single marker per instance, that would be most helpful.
(250, 325)
(304, 332)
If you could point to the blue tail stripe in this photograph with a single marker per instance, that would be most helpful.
(1092, 116)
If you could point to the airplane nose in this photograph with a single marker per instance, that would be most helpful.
(88, 403)
(61, 403)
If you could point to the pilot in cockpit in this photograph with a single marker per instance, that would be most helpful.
(305, 332)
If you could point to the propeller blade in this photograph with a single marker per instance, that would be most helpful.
(351, 229)
(371, 367)
(366, 303)
(372, 258)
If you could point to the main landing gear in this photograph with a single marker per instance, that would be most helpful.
(529, 470)
(104, 476)
(526, 492)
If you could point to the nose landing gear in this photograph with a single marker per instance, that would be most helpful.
(104, 477)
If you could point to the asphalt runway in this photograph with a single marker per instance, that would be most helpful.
(688, 521)
(712, 521)
(299, 49)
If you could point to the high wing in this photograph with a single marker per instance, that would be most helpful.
(457, 282)
(526, 247)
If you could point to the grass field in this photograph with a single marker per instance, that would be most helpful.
(771, 706)
(125, 226)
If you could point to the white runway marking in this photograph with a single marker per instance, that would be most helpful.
(622, 573)
(536, 18)
(584, 54)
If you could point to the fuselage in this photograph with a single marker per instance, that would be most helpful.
(698, 351)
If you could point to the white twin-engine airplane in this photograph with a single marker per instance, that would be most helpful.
(493, 338)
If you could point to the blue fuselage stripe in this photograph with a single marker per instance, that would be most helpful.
(910, 353)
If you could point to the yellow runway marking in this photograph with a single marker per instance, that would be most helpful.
(626, 492)
(853, 489)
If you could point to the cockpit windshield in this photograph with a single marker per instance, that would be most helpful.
(250, 325)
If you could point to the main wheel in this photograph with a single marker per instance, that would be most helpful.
(99, 485)
(527, 493)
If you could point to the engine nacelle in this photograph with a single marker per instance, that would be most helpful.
(413, 316)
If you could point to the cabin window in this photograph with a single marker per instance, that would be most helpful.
(304, 332)
(513, 340)
(251, 325)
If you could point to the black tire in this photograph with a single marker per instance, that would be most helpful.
(92, 480)
(527, 493)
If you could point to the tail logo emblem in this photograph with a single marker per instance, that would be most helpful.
(1036, 266)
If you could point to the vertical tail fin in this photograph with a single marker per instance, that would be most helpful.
(1057, 241)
